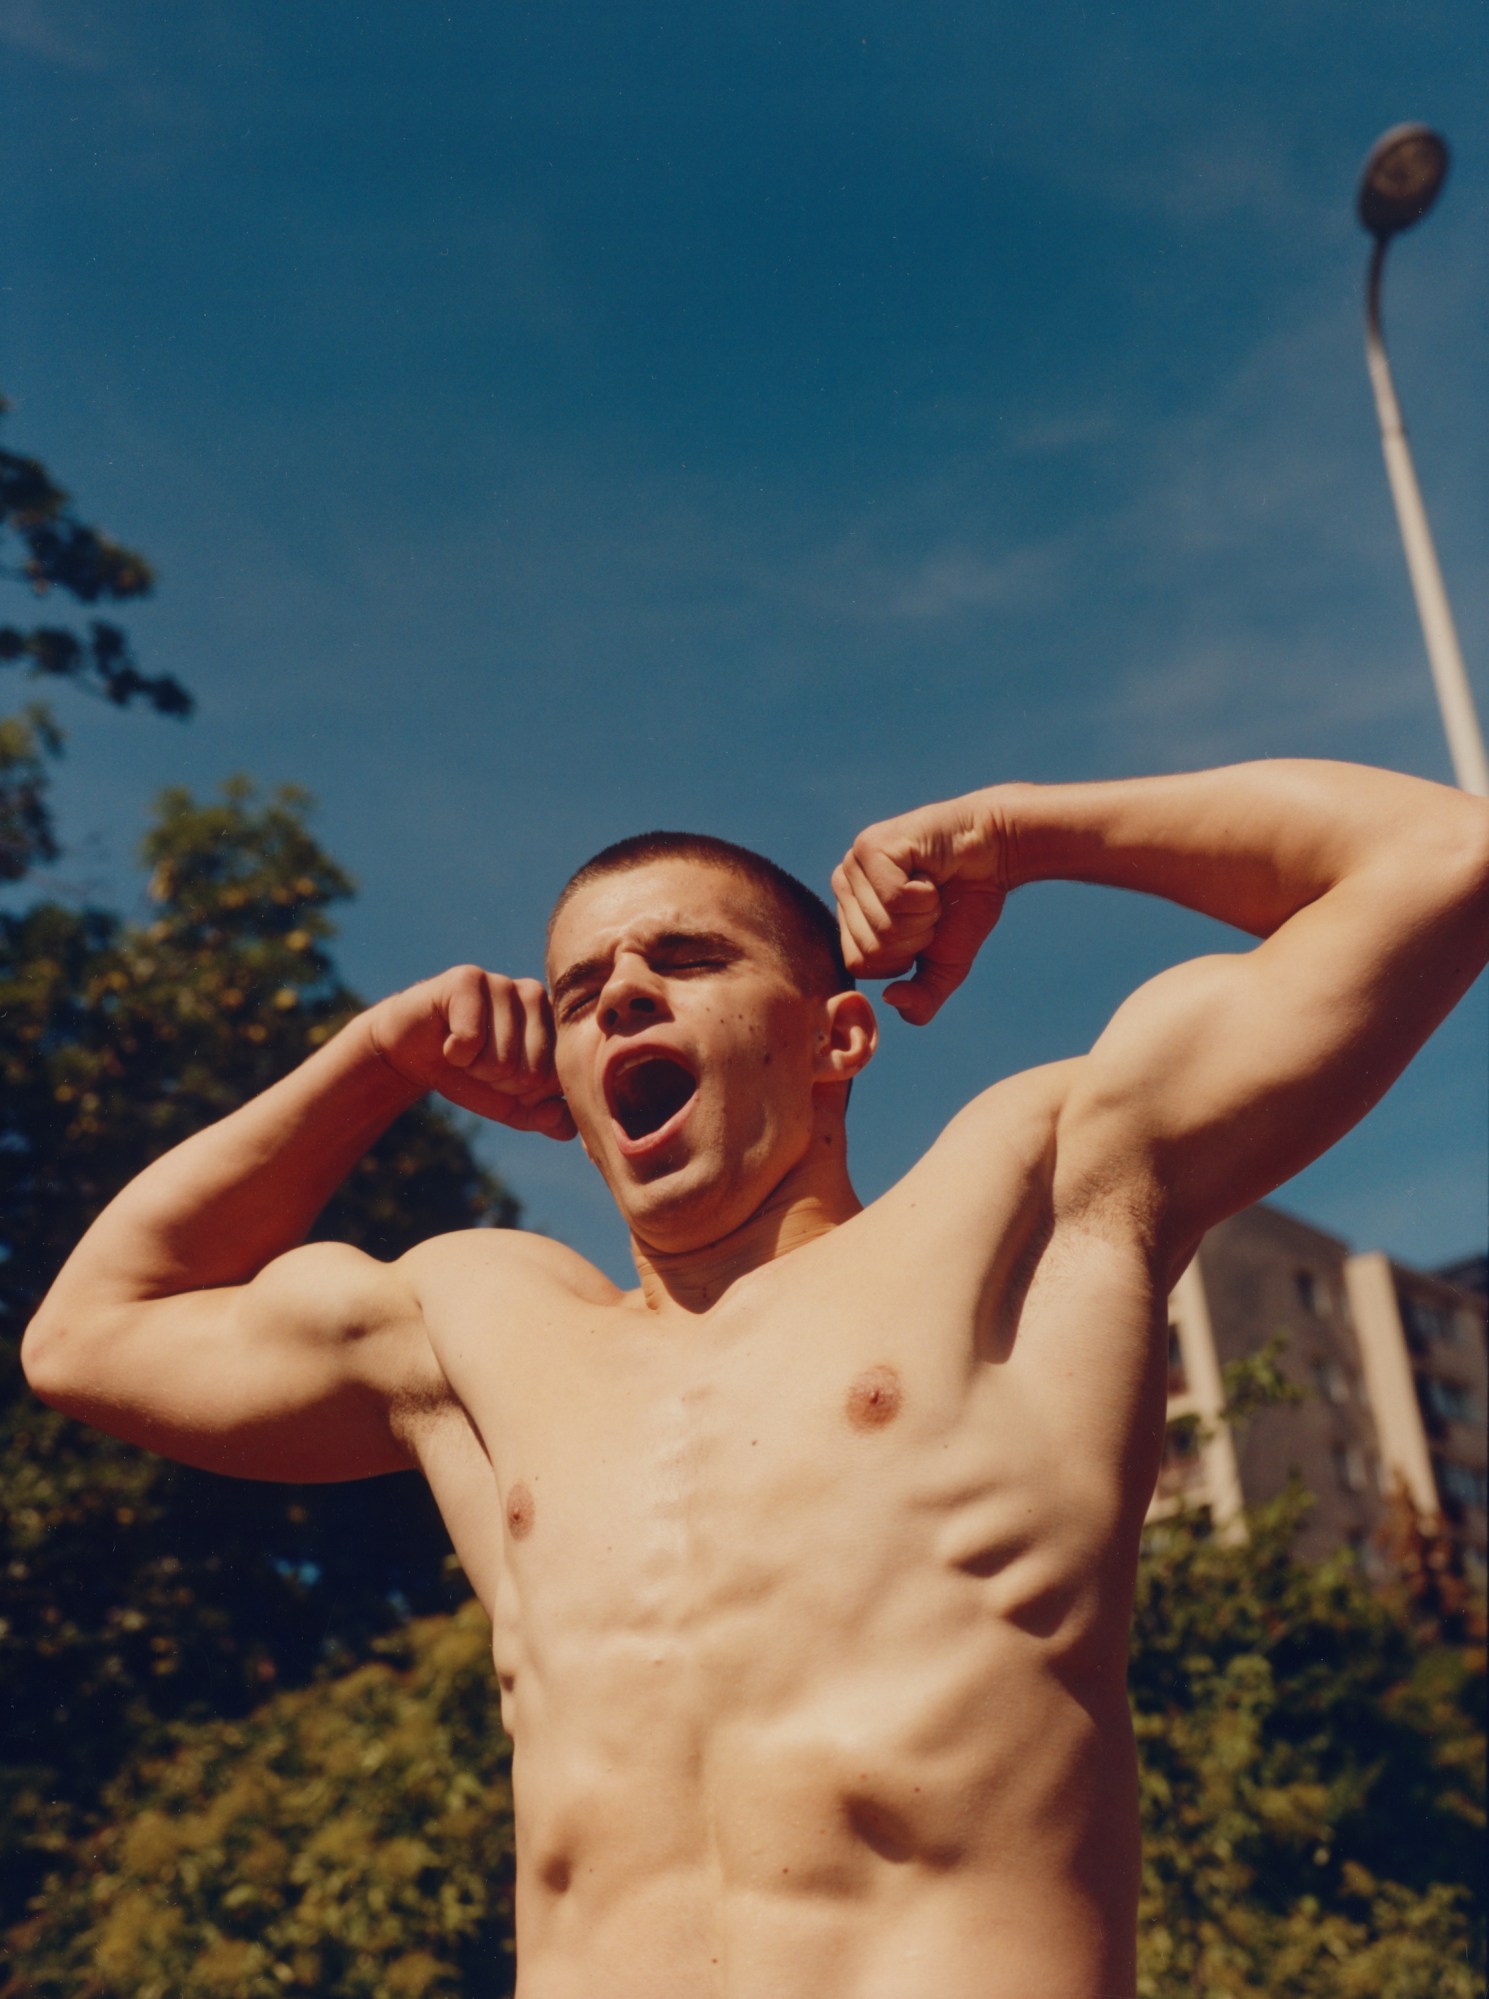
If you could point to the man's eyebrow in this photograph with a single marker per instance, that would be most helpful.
(706, 940)
(577, 975)
(665, 941)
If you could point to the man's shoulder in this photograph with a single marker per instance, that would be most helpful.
(996, 1154)
(483, 1292)
(511, 1258)
(1018, 1116)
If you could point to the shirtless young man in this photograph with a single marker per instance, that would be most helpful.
(810, 1561)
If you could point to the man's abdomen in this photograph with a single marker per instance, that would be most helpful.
(940, 1810)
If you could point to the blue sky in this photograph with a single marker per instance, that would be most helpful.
(552, 421)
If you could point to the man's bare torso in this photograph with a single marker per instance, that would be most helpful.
(810, 1623)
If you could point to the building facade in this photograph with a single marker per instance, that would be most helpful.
(1391, 1368)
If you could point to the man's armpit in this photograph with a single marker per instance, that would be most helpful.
(420, 1399)
(1108, 1177)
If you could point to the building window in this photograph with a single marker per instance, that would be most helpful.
(1331, 1380)
(1349, 1467)
(1311, 1294)
(1426, 1324)
(1178, 1380)
(1367, 1554)
(1449, 1401)
(1180, 1457)
(1459, 1485)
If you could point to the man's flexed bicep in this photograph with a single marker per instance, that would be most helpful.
(193, 1318)
(302, 1374)
(1219, 1079)
(1225, 1076)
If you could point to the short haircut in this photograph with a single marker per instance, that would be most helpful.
(800, 922)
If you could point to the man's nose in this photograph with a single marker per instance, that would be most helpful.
(631, 993)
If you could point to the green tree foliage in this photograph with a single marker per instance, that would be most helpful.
(139, 1591)
(26, 831)
(1311, 1757)
(44, 545)
(353, 1838)
(47, 547)
(1312, 1777)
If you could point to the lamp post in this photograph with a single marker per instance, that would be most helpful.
(1402, 175)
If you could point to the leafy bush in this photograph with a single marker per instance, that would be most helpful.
(352, 1838)
(1312, 1777)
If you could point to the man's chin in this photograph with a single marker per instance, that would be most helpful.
(677, 1207)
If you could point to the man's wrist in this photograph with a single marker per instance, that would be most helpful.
(999, 821)
(381, 1073)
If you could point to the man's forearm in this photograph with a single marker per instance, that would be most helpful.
(218, 1207)
(1251, 845)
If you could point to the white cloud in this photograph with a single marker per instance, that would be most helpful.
(44, 31)
(1235, 170)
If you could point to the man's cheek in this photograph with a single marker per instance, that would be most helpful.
(586, 1126)
(569, 1076)
(565, 1068)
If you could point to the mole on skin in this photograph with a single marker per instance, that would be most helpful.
(520, 1512)
(874, 1398)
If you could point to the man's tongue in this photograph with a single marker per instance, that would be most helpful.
(645, 1095)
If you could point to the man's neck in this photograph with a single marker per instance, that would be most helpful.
(815, 1197)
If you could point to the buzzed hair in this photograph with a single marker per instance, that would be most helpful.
(801, 924)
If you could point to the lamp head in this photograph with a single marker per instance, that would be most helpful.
(1402, 176)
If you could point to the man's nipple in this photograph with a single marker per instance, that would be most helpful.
(520, 1511)
(874, 1398)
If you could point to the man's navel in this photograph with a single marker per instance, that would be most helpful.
(874, 1398)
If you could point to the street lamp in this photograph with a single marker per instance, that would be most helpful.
(1402, 176)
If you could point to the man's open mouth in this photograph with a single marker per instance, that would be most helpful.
(647, 1090)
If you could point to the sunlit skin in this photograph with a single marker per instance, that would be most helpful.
(810, 1558)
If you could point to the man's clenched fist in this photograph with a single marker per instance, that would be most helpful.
(482, 1040)
(922, 891)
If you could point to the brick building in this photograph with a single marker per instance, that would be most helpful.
(1392, 1363)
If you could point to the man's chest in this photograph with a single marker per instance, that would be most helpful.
(831, 1457)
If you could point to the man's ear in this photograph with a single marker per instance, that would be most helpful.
(849, 1036)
